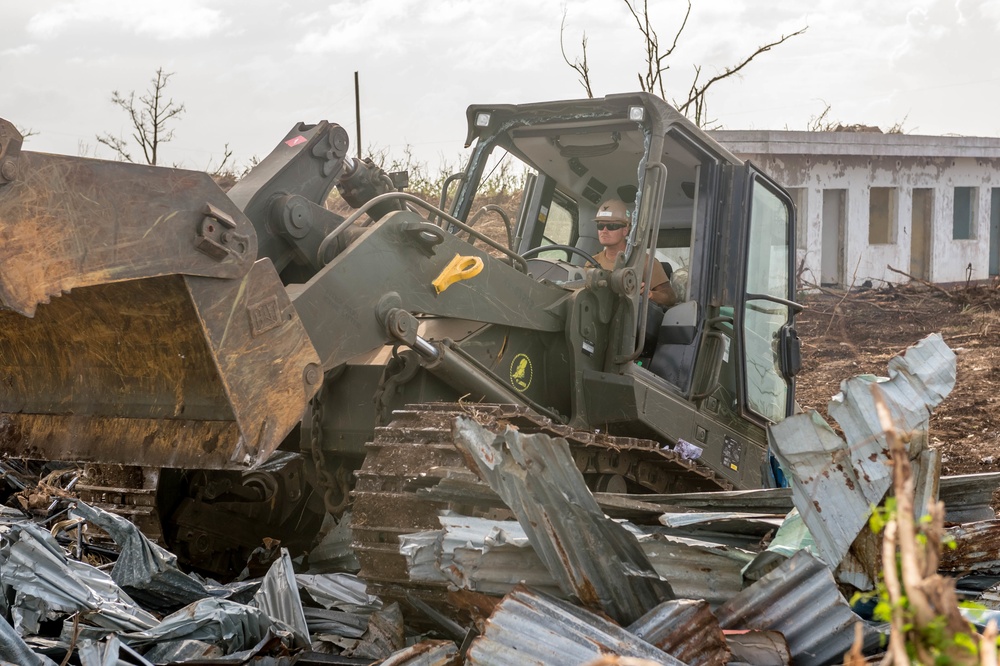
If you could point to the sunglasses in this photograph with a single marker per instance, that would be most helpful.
(611, 226)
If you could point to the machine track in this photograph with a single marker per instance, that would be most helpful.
(415, 450)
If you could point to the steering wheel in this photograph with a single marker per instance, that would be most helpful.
(564, 248)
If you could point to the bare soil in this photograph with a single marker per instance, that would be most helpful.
(849, 333)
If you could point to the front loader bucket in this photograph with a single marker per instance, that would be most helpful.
(172, 371)
(135, 325)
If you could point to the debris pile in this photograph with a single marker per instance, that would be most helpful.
(558, 575)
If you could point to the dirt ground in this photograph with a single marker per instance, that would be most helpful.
(845, 334)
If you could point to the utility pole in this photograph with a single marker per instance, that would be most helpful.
(357, 110)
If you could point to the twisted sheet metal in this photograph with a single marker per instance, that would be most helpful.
(686, 629)
(801, 600)
(528, 628)
(592, 558)
(834, 483)
(977, 549)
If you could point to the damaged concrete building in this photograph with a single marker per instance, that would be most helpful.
(928, 206)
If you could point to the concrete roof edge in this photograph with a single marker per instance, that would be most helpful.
(869, 144)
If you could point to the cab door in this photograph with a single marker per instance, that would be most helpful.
(768, 345)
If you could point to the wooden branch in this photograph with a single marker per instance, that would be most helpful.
(729, 71)
(923, 282)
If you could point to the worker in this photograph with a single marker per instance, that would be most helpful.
(613, 226)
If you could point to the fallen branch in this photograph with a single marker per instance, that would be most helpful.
(923, 282)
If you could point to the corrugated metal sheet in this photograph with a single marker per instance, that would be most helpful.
(279, 598)
(977, 549)
(477, 554)
(426, 653)
(492, 556)
(967, 497)
(146, 571)
(529, 629)
(334, 551)
(345, 592)
(686, 629)
(14, 650)
(339, 623)
(46, 581)
(801, 600)
(764, 500)
(697, 569)
(836, 482)
(590, 556)
(758, 648)
(742, 523)
(224, 623)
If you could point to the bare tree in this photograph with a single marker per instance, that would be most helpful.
(656, 65)
(25, 133)
(150, 115)
(657, 62)
(695, 107)
(580, 65)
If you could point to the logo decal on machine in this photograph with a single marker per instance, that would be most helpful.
(520, 372)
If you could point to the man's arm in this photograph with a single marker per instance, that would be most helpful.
(661, 292)
(663, 295)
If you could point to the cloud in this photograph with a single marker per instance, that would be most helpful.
(167, 21)
(18, 51)
(353, 27)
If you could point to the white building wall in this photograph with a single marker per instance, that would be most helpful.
(949, 258)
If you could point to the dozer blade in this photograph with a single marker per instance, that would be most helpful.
(172, 371)
(135, 326)
(69, 222)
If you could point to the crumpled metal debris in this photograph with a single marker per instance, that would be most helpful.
(13, 649)
(278, 597)
(221, 622)
(146, 571)
(591, 557)
(835, 482)
(686, 629)
(801, 600)
(528, 627)
(49, 584)
(740, 602)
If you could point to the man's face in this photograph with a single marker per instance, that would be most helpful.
(611, 232)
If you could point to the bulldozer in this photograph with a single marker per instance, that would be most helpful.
(226, 366)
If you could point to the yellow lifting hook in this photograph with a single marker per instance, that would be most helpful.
(460, 268)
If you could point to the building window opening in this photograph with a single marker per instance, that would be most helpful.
(964, 214)
(882, 216)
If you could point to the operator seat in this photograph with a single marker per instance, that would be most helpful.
(674, 355)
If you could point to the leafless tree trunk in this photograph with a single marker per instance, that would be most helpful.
(656, 65)
(695, 107)
(657, 62)
(150, 116)
(579, 65)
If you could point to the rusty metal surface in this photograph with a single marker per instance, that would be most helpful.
(425, 653)
(697, 569)
(977, 549)
(687, 630)
(172, 372)
(801, 600)
(70, 222)
(528, 628)
(835, 482)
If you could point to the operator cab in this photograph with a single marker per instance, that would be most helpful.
(719, 226)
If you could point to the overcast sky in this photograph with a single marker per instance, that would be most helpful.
(247, 70)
